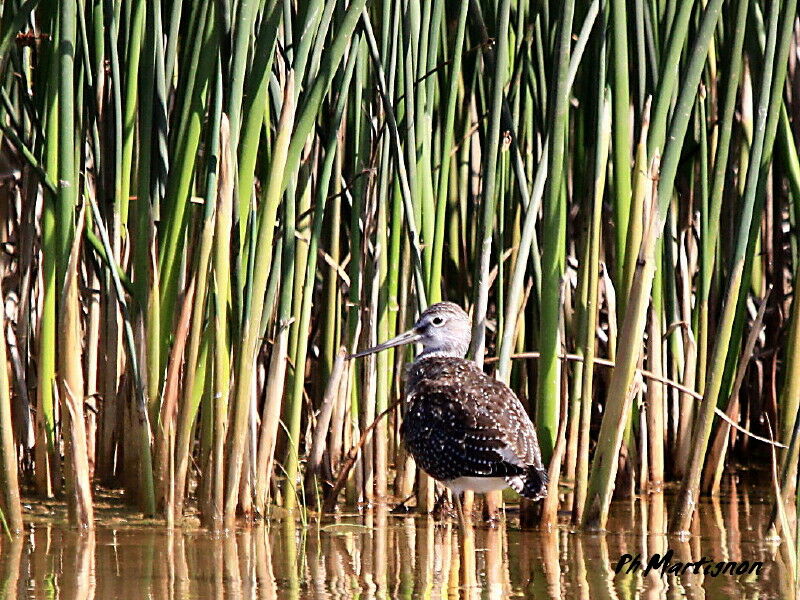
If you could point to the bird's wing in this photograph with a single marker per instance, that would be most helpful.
(475, 429)
(494, 403)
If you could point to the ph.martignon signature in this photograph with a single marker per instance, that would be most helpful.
(664, 564)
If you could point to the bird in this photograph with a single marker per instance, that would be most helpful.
(464, 428)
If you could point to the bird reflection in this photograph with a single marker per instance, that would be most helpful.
(387, 556)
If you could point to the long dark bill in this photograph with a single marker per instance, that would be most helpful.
(408, 337)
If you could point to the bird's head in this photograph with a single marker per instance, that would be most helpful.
(443, 329)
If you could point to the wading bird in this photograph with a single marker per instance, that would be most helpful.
(462, 427)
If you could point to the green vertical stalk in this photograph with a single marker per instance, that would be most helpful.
(67, 182)
(635, 224)
(48, 473)
(296, 399)
(484, 250)
(332, 330)
(444, 165)
(527, 247)
(706, 251)
(423, 135)
(400, 166)
(554, 226)
(655, 391)
(145, 295)
(251, 325)
(720, 170)
(171, 53)
(604, 465)
(387, 276)
(182, 172)
(357, 247)
(195, 363)
(383, 378)
(255, 102)
(245, 16)
(790, 391)
(434, 33)
(129, 114)
(669, 79)
(285, 319)
(311, 28)
(111, 10)
(246, 124)
(45, 418)
(409, 50)
(622, 135)
(592, 265)
(768, 105)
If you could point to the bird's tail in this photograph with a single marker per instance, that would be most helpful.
(531, 484)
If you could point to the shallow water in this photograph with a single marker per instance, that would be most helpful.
(387, 556)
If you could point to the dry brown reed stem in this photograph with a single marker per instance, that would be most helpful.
(221, 286)
(329, 400)
(549, 514)
(609, 363)
(91, 299)
(352, 455)
(715, 463)
(169, 406)
(659, 379)
(111, 339)
(621, 387)
(70, 387)
(780, 522)
(687, 408)
(270, 417)
(655, 407)
(10, 506)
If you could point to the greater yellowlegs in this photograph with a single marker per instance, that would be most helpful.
(462, 427)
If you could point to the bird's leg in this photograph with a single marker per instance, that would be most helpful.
(402, 508)
(439, 506)
(492, 507)
(458, 500)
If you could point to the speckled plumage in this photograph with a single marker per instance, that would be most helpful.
(460, 422)
(463, 427)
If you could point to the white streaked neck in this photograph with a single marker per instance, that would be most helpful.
(439, 353)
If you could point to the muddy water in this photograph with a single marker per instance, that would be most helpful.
(386, 556)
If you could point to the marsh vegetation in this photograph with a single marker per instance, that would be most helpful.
(204, 202)
(385, 556)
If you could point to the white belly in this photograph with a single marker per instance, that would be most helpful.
(481, 485)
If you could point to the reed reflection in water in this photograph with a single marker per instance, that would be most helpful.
(384, 556)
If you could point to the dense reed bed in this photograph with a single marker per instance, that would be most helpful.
(204, 201)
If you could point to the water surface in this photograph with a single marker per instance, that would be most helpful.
(385, 556)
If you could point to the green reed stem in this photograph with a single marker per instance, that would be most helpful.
(554, 222)
(484, 249)
(251, 325)
(605, 462)
(769, 102)
(622, 136)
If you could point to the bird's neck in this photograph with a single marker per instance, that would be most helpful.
(439, 353)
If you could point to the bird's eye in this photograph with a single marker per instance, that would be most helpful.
(438, 321)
